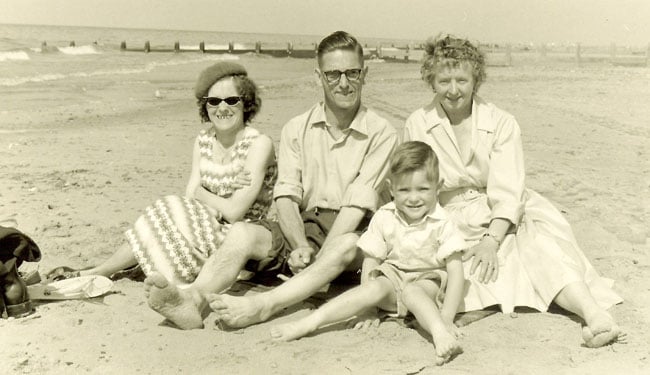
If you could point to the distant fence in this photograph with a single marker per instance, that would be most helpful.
(497, 55)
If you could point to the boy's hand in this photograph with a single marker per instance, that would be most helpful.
(365, 320)
(300, 258)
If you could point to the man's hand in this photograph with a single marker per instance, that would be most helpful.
(485, 255)
(300, 258)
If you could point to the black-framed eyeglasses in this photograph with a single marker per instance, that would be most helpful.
(213, 101)
(333, 76)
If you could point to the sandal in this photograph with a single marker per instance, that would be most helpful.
(134, 273)
(61, 273)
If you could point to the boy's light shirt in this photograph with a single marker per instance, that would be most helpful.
(419, 246)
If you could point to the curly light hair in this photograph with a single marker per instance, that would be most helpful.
(449, 51)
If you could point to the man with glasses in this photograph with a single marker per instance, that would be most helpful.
(332, 163)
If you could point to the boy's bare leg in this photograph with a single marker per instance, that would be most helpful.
(419, 299)
(184, 306)
(247, 310)
(600, 329)
(352, 302)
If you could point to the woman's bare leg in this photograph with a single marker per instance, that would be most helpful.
(121, 259)
(600, 329)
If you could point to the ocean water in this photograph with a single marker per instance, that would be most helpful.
(36, 53)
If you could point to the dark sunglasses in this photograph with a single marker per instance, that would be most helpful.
(213, 101)
(333, 76)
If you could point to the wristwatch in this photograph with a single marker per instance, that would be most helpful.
(488, 234)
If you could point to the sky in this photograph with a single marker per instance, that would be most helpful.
(597, 22)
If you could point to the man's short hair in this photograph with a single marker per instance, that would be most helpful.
(411, 156)
(339, 40)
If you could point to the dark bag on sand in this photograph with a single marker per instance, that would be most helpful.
(16, 244)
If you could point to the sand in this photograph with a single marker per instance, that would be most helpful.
(81, 158)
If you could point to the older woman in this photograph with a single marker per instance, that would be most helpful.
(522, 251)
(232, 177)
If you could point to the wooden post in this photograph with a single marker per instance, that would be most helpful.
(177, 47)
(231, 47)
(123, 46)
(258, 47)
(289, 48)
(612, 52)
(202, 47)
(578, 57)
(147, 47)
(406, 53)
(508, 55)
(72, 44)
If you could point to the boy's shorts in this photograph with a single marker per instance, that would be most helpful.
(317, 222)
(400, 279)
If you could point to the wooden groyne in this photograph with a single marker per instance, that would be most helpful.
(497, 55)
(230, 48)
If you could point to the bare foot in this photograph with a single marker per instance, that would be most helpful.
(601, 330)
(447, 347)
(238, 312)
(291, 331)
(177, 305)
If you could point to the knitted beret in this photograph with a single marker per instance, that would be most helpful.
(213, 73)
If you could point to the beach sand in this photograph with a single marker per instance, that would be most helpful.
(81, 158)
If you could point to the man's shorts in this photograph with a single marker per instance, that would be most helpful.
(317, 222)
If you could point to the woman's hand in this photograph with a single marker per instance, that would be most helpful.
(242, 179)
(300, 258)
(485, 255)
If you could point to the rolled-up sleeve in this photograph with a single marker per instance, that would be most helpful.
(450, 241)
(289, 183)
(364, 191)
(506, 178)
(372, 242)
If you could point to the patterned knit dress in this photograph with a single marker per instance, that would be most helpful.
(177, 234)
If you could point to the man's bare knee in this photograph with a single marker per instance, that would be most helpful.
(253, 239)
(343, 249)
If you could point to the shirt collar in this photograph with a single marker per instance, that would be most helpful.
(435, 115)
(438, 213)
(359, 123)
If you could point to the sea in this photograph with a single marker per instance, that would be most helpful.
(38, 53)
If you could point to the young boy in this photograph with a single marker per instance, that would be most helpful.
(408, 242)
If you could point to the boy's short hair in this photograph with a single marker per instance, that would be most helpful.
(414, 155)
(339, 40)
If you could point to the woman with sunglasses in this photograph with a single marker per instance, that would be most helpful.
(232, 177)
